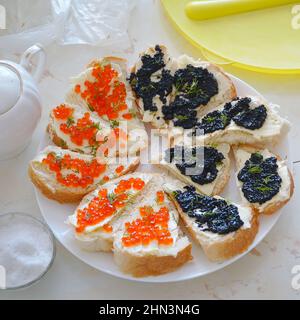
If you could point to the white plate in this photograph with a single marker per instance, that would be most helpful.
(56, 214)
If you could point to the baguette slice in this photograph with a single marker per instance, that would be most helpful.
(242, 154)
(99, 236)
(216, 246)
(270, 133)
(212, 188)
(124, 113)
(62, 133)
(226, 89)
(150, 258)
(45, 178)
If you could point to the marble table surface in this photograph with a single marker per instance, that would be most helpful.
(263, 273)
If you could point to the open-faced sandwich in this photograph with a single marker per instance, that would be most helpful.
(173, 91)
(248, 120)
(102, 88)
(67, 176)
(223, 229)
(72, 127)
(148, 240)
(207, 168)
(96, 215)
(133, 217)
(264, 179)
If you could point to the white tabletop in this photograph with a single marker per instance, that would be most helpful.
(264, 273)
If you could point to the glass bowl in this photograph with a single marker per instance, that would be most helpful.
(19, 217)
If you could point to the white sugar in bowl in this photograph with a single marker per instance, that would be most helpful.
(20, 103)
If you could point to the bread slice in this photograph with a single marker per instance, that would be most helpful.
(126, 118)
(270, 133)
(218, 246)
(226, 89)
(223, 167)
(243, 153)
(156, 119)
(75, 97)
(99, 236)
(46, 179)
(151, 258)
(97, 130)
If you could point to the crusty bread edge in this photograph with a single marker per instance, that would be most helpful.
(58, 195)
(228, 246)
(271, 208)
(55, 138)
(151, 265)
(64, 196)
(233, 92)
(113, 59)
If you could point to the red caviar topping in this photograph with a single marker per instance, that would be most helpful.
(152, 226)
(84, 129)
(83, 172)
(62, 112)
(144, 211)
(160, 196)
(127, 116)
(104, 205)
(106, 94)
(106, 178)
(77, 88)
(119, 169)
(108, 228)
(138, 184)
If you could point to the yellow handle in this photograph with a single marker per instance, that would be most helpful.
(202, 10)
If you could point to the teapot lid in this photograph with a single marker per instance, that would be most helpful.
(10, 87)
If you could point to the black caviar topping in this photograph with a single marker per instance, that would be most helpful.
(251, 119)
(210, 214)
(213, 121)
(193, 86)
(142, 84)
(239, 111)
(190, 158)
(261, 181)
(180, 113)
(236, 106)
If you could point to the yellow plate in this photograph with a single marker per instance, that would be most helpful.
(261, 40)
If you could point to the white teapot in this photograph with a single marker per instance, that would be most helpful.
(20, 103)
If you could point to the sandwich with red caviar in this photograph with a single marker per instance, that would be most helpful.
(148, 240)
(74, 128)
(67, 176)
(94, 220)
(102, 88)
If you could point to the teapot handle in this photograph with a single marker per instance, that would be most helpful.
(26, 60)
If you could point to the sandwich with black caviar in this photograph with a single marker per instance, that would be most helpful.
(263, 178)
(175, 91)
